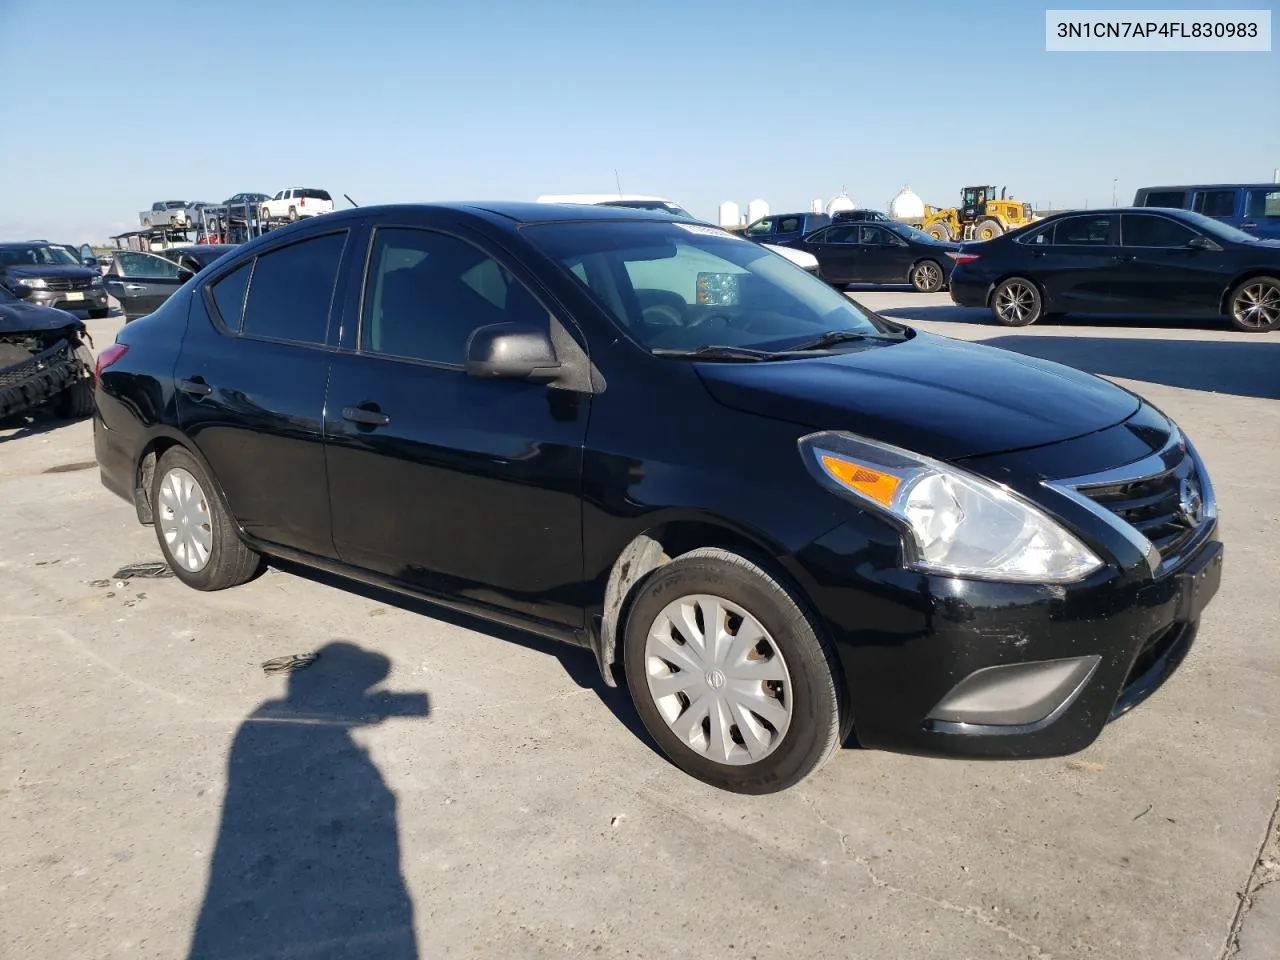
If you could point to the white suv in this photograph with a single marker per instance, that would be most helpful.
(295, 203)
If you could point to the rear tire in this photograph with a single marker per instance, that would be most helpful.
(293, 214)
(707, 723)
(1254, 305)
(988, 230)
(196, 534)
(1017, 303)
(940, 231)
(927, 276)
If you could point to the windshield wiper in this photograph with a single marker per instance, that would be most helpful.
(714, 351)
(832, 337)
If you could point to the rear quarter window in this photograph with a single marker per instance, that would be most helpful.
(1166, 198)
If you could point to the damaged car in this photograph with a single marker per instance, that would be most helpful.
(45, 360)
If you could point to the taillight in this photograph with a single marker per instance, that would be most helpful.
(106, 358)
(302, 202)
(963, 258)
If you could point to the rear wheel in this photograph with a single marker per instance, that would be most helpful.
(926, 276)
(1016, 302)
(195, 531)
(988, 229)
(293, 214)
(1254, 305)
(730, 675)
(264, 215)
(939, 231)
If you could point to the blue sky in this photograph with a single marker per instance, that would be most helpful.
(700, 101)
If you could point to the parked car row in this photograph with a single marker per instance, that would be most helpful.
(774, 516)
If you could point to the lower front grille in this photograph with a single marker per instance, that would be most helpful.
(1166, 508)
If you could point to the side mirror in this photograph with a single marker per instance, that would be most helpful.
(512, 351)
(185, 274)
(1202, 243)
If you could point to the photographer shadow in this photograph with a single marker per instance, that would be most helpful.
(307, 861)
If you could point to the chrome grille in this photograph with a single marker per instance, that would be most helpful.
(1167, 508)
(67, 283)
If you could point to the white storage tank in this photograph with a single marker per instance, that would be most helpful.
(730, 214)
(757, 209)
(907, 205)
(816, 205)
(840, 202)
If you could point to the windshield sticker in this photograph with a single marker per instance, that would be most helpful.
(709, 231)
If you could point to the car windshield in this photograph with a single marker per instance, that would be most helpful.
(42, 256)
(1216, 228)
(910, 233)
(680, 286)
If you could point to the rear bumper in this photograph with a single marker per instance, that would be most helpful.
(967, 291)
(948, 667)
(115, 460)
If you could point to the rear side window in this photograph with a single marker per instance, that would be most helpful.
(314, 194)
(788, 224)
(841, 235)
(1041, 237)
(1144, 230)
(1083, 231)
(1262, 203)
(1166, 198)
(228, 296)
(291, 290)
(1215, 203)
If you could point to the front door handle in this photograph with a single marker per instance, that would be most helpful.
(365, 417)
(195, 387)
(1125, 257)
(134, 287)
(1249, 226)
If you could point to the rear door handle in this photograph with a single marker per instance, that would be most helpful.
(1249, 226)
(365, 417)
(196, 387)
(1124, 258)
(134, 287)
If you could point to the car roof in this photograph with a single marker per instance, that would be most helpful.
(27, 243)
(1211, 186)
(514, 211)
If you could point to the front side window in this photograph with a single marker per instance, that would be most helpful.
(425, 292)
(1215, 203)
(1083, 231)
(146, 265)
(680, 286)
(291, 290)
(1262, 203)
(760, 227)
(1144, 230)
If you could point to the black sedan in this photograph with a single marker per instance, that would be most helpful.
(1146, 260)
(880, 253)
(774, 516)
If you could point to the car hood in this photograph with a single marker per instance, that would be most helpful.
(30, 317)
(947, 399)
(49, 270)
(799, 257)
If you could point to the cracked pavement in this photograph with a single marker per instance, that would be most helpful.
(526, 815)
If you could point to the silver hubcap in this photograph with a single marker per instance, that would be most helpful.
(1015, 302)
(184, 520)
(926, 275)
(1258, 306)
(718, 679)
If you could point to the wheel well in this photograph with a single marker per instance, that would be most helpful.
(1223, 307)
(644, 554)
(145, 473)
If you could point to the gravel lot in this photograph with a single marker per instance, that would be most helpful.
(516, 810)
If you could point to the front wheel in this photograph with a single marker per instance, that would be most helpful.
(926, 276)
(730, 675)
(940, 231)
(196, 533)
(1016, 303)
(76, 401)
(1254, 305)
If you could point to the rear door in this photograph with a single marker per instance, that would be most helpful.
(885, 257)
(1079, 268)
(1262, 212)
(251, 384)
(837, 251)
(455, 484)
(142, 281)
(1160, 273)
(790, 228)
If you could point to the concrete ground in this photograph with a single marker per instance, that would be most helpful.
(506, 804)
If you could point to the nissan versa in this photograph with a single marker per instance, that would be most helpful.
(779, 517)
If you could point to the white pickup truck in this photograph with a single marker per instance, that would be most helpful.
(295, 203)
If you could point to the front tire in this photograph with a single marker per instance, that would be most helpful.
(940, 231)
(293, 214)
(730, 675)
(1017, 303)
(76, 402)
(927, 276)
(988, 230)
(1254, 305)
(194, 529)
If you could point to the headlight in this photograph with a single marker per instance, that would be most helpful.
(34, 283)
(95, 281)
(958, 523)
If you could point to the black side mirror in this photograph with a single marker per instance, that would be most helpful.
(512, 351)
(1202, 243)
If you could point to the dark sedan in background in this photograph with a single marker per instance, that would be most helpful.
(1145, 260)
(51, 275)
(880, 253)
(142, 281)
(942, 546)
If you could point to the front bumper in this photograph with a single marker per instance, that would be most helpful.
(945, 666)
(95, 298)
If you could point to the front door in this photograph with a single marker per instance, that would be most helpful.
(1085, 258)
(142, 281)
(1262, 212)
(1161, 273)
(445, 481)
